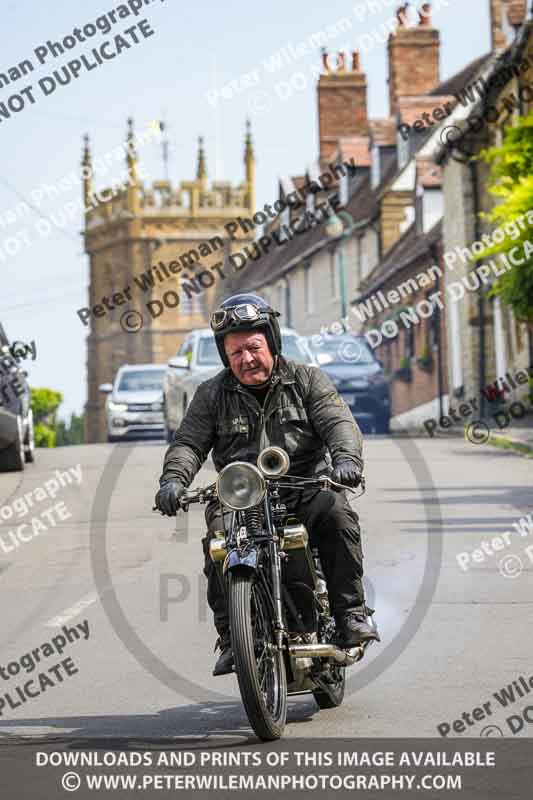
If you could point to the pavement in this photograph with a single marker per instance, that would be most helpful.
(452, 636)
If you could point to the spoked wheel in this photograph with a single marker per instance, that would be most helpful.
(331, 694)
(260, 667)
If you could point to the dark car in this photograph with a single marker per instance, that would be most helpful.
(16, 418)
(358, 377)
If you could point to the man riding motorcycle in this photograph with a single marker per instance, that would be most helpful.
(263, 399)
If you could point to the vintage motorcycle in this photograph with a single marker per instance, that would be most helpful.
(282, 631)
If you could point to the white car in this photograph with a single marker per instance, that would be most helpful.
(198, 360)
(134, 405)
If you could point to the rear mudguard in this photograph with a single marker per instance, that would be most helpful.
(244, 560)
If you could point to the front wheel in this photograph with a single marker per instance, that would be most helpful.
(259, 665)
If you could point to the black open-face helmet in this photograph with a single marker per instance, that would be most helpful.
(244, 312)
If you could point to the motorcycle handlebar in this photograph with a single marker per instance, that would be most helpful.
(203, 494)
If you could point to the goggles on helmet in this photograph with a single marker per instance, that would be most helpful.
(246, 312)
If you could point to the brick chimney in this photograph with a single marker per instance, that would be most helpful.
(506, 17)
(413, 56)
(498, 39)
(342, 109)
(516, 12)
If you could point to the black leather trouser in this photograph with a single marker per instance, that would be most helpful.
(333, 528)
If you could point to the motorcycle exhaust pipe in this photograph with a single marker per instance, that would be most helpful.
(346, 657)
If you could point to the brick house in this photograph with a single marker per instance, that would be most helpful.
(485, 340)
(406, 212)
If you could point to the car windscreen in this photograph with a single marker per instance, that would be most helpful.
(141, 380)
(292, 348)
(343, 350)
(207, 353)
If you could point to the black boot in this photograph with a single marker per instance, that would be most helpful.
(224, 664)
(353, 629)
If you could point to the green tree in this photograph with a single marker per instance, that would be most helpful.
(44, 404)
(44, 436)
(72, 432)
(511, 182)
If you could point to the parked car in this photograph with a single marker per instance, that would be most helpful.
(134, 405)
(198, 360)
(358, 376)
(17, 446)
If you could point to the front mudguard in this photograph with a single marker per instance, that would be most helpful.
(245, 560)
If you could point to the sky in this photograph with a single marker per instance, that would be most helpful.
(195, 51)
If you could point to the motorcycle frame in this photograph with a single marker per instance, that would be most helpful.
(248, 557)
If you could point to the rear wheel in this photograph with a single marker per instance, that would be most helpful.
(12, 457)
(259, 665)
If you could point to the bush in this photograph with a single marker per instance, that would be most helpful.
(44, 404)
(44, 436)
(49, 432)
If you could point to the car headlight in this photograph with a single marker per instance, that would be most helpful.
(240, 486)
(117, 406)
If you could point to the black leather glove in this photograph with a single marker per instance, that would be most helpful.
(166, 500)
(346, 471)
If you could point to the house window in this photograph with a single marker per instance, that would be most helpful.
(308, 288)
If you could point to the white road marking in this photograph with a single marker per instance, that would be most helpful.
(73, 611)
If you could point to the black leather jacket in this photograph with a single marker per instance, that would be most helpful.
(303, 413)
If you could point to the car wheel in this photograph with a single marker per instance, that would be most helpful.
(12, 457)
(29, 441)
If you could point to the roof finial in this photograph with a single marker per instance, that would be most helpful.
(201, 171)
(131, 154)
(87, 171)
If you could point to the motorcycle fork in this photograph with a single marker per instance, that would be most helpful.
(275, 567)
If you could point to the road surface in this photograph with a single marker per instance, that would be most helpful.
(452, 635)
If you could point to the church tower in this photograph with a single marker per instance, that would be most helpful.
(159, 255)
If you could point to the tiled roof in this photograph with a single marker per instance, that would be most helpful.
(412, 108)
(453, 85)
(272, 265)
(409, 247)
(363, 205)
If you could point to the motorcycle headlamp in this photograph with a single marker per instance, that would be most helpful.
(240, 486)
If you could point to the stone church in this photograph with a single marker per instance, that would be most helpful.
(153, 254)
